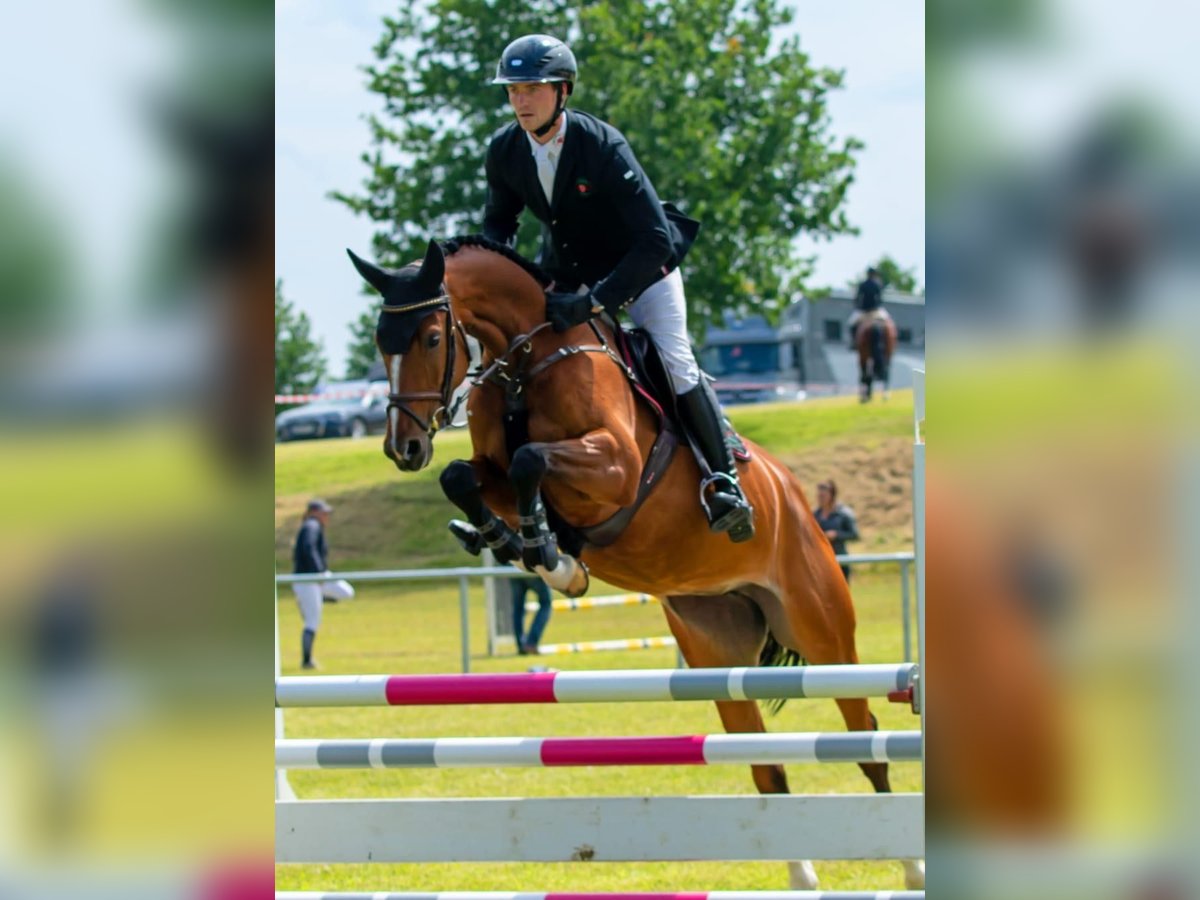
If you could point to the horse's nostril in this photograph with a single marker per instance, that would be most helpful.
(412, 449)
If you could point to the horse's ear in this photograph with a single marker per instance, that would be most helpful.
(371, 273)
(433, 269)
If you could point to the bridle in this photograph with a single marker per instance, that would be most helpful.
(512, 381)
(445, 412)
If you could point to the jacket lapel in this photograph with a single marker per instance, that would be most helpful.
(535, 197)
(566, 164)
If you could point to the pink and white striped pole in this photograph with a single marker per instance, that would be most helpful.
(686, 750)
(619, 685)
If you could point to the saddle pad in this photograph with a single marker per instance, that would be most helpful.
(640, 354)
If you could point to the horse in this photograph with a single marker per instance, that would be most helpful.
(585, 442)
(875, 341)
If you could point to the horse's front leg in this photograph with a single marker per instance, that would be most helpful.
(463, 484)
(595, 465)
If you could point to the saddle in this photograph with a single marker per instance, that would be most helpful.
(652, 383)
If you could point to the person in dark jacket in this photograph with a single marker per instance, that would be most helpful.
(868, 299)
(311, 556)
(836, 520)
(607, 240)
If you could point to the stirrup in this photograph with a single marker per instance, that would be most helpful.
(738, 521)
(712, 479)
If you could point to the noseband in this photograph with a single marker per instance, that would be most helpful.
(443, 414)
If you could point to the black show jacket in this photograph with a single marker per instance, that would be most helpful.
(605, 226)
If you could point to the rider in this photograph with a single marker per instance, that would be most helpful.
(606, 239)
(869, 299)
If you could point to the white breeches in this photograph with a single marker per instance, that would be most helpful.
(661, 309)
(311, 594)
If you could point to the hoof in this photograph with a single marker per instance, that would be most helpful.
(467, 535)
(570, 577)
(914, 874)
(802, 876)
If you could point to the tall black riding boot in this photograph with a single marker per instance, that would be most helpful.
(726, 505)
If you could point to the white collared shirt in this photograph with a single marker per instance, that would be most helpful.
(547, 155)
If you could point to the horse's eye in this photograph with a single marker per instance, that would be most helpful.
(435, 338)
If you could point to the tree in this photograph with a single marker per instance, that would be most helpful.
(362, 352)
(727, 122)
(299, 359)
(894, 277)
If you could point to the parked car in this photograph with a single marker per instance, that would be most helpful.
(352, 409)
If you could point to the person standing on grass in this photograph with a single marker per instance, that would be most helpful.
(836, 520)
(311, 556)
(527, 643)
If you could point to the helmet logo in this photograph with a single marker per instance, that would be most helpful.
(517, 62)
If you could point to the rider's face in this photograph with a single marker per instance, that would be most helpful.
(533, 103)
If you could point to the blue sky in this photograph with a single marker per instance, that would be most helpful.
(321, 101)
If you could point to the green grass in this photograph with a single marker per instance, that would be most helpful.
(785, 428)
(385, 519)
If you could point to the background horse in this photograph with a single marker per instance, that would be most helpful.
(554, 421)
(875, 341)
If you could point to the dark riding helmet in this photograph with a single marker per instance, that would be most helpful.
(536, 58)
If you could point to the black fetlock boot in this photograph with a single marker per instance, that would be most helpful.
(726, 506)
(503, 541)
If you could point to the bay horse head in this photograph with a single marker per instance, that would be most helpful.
(424, 353)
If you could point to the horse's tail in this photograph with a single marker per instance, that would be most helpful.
(775, 654)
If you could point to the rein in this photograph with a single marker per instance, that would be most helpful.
(514, 384)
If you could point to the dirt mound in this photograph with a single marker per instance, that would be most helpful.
(875, 480)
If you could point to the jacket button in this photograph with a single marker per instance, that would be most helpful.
(566, 245)
(554, 221)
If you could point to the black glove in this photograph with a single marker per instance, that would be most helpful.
(565, 311)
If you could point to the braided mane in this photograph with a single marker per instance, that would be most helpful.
(454, 244)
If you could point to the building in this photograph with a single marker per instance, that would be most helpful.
(828, 363)
(827, 317)
(808, 352)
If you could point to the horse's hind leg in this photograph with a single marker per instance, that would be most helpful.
(814, 616)
(816, 619)
(729, 630)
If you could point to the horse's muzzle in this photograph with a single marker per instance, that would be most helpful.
(409, 454)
